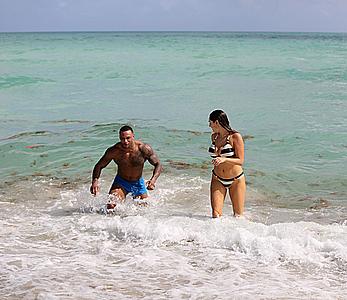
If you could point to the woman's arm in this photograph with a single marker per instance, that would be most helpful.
(239, 149)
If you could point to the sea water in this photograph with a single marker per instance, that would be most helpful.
(63, 98)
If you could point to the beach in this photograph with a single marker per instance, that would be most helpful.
(64, 97)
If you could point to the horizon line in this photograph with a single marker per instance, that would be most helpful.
(174, 31)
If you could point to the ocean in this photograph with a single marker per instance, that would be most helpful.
(63, 98)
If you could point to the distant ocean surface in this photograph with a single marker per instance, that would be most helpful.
(63, 98)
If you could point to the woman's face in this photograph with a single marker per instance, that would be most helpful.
(213, 125)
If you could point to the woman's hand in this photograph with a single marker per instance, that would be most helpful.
(218, 160)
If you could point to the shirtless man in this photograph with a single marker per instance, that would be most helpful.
(130, 156)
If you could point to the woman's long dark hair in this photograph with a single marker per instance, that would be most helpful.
(222, 118)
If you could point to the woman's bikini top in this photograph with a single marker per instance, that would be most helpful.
(226, 151)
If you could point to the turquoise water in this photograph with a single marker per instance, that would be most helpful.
(63, 97)
(287, 92)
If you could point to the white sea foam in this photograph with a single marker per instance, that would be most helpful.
(55, 248)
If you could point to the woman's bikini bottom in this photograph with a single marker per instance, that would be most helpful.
(227, 182)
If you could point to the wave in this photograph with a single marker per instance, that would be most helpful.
(66, 121)
(28, 134)
(179, 214)
(13, 81)
(301, 243)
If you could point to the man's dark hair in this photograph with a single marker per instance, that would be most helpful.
(126, 128)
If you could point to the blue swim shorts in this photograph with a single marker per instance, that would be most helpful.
(136, 188)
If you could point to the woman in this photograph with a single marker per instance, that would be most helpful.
(227, 151)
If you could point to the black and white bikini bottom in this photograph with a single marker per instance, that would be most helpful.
(227, 182)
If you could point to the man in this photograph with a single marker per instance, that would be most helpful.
(130, 156)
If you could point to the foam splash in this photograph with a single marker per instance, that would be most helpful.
(172, 243)
(297, 243)
(175, 215)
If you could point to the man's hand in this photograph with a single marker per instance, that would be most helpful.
(95, 187)
(150, 185)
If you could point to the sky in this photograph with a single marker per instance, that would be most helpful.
(173, 15)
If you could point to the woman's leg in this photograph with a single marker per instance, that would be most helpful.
(237, 193)
(217, 194)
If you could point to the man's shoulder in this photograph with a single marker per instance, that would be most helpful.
(142, 144)
(144, 148)
(115, 147)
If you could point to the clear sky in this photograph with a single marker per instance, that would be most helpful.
(173, 15)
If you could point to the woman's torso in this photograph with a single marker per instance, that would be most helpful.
(223, 147)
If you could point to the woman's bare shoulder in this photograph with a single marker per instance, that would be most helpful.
(236, 137)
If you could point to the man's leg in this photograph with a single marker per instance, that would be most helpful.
(118, 194)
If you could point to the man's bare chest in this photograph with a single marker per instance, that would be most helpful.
(133, 158)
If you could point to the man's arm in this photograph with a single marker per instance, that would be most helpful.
(154, 161)
(102, 163)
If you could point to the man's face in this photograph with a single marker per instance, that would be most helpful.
(126, 138)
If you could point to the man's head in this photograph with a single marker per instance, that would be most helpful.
(126, 136)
